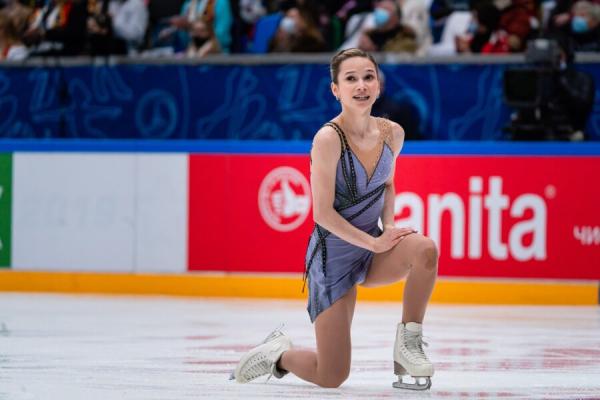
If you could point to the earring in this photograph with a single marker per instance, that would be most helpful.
(337, 98)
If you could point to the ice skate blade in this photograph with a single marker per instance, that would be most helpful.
(417, 385)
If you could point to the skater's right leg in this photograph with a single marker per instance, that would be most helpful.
(329, 366)
(417, 257)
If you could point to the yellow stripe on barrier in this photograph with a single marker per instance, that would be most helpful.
(447, 290)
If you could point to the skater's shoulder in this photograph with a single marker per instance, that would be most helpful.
(391, 133)
(326, 140)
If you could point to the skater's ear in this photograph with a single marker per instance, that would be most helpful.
(335, 90)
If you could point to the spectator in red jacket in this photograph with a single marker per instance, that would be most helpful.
(500, 31)
(519, 20)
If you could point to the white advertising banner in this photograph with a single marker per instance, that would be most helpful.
(73, 212)
(161, 213)
(101, 212)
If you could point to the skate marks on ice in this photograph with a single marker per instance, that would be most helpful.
(73, 347)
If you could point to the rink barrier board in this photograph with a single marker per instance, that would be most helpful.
(449, 291)
(582, 150)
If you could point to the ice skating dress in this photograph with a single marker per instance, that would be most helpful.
(332, 265)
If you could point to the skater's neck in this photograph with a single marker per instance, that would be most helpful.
(355, 124)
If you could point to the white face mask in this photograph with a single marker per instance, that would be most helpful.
(251, 10)
(288, 25)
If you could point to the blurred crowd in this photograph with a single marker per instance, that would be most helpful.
(195, 28)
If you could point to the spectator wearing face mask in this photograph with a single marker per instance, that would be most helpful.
(355, 26)
(246, 14)
(416, 18)
(246, 17)
(560, 16)
(298, 33)
(389, 34)
(583, 29)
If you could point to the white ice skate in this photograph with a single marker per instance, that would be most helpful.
(409, 359)
(262, 359)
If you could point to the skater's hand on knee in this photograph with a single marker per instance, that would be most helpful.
(390, 237)
(399, 233)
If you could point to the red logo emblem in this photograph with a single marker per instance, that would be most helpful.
(284, 199)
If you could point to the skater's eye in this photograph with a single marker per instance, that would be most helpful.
(350, 78)
(369, 77)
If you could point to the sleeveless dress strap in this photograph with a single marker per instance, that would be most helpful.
(349, 178)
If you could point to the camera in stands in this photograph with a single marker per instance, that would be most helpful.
(532, 86)
(537, 94)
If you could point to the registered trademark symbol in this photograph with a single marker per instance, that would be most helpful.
(550, 191)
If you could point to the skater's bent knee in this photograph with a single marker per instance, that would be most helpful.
(428, 252)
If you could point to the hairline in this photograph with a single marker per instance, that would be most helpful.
(353, 70)
(336, 64)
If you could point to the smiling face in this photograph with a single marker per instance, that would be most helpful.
(357, 83)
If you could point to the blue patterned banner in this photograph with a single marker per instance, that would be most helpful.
(271, 102)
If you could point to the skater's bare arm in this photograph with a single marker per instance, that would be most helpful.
(396, 143)
(325, 155)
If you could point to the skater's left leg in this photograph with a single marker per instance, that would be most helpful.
(329, 366)
(416, 256)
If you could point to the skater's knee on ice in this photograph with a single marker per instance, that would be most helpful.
(331, 383)
(334, 380)
(428, 253)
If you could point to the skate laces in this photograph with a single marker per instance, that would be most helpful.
(414, 344)
(260, 364)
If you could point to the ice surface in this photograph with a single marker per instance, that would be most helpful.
(110, 347)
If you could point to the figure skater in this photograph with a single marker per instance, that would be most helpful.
(352, 179)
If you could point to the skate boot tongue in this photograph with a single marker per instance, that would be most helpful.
(414, 327)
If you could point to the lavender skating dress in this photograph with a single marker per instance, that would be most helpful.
(333, 266)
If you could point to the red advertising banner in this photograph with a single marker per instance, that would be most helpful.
(249, 212)
(492, 216)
